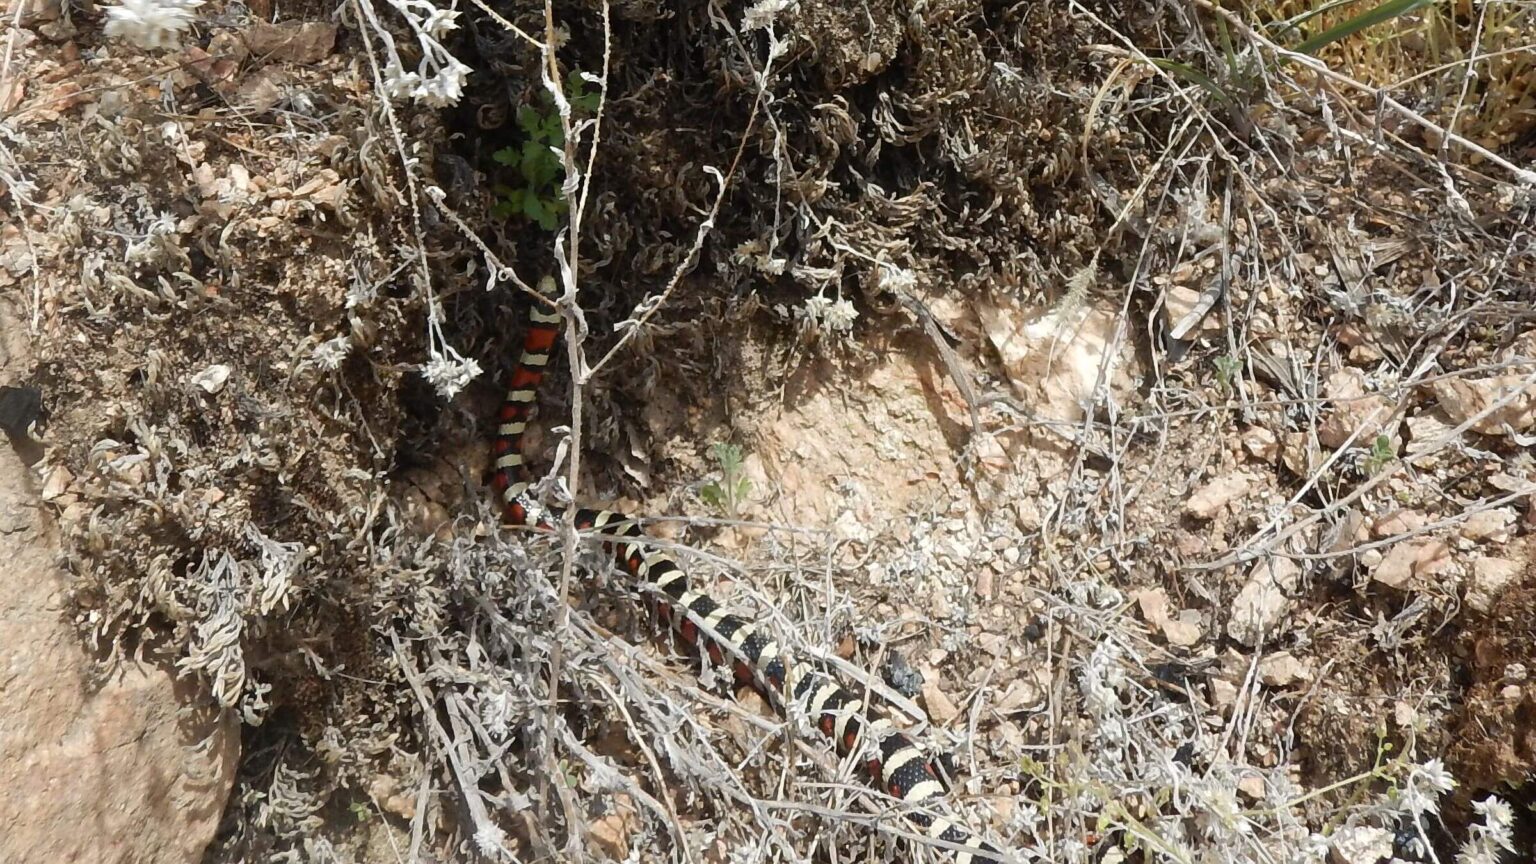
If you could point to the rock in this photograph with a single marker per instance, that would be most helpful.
(1263, 602)
(1053, 357)
(1213, 496)
(940, 709)
(1354, 417)
(1251, 786)
(1021, 695)
(213, 378)
(1281, 669)
(1462, 399)
(57, 483)
(95, 765)
(610, 834)
(1182, 630)
(1489, 525)
(1261, 444)
(1399, 522)
(1411, 560)
(1490, 576)
(1223, 694)
(290, 42)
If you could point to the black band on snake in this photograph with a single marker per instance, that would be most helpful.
(894, 762)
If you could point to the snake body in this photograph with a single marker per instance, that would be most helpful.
(893, 760)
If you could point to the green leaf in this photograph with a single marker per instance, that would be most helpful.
(1378, 15)
(505, 156)
(728, 455)
(528, 119)
(553, 132)
(534, 209)
(1192, 75)
(540, 166)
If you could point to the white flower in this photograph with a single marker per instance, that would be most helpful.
(1495, 811)
(839, 316)
(489, 840)
(497, 713)
(822, 311)
(330, 353)
(449, 375)
(1484, 841)
(440, 22)
(762, 13)
(151, 24)
(896, 279)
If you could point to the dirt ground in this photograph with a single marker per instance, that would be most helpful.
(1143, 414)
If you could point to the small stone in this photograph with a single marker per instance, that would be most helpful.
(290, 42)
(1490, 525)
(1223, 694)
(1354, 417)
(940, 709)
(1261, 444)
(1490, 576)
(1215, 495)
(1263, 601)
(1020, 696)
(58, 481)
(1282, 669)
(1399, 522)
(1251, 786)
(213, 378)
(1511, 693)
(611, 833)
(1463, 399)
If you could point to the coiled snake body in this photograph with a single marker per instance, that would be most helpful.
(893, 760)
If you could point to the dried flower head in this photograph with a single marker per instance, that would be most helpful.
(151, 24)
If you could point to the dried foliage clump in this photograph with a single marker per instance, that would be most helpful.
(261, 305)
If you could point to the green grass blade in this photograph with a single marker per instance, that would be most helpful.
(1193, 75)
(1381, 13)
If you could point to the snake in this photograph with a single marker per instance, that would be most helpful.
(894, 762)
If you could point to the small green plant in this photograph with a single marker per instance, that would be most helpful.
(536, 160)
(731, 489)
(1227, 369)
(360, 811)
(1382, 454)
